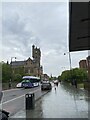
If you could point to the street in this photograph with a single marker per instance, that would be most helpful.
(14, 99)
(64, 102)
(42, 43)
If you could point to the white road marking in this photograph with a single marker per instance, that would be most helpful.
(13, 99)
(10, 90)
(19, 97)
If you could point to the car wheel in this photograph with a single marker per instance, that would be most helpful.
(4, 117)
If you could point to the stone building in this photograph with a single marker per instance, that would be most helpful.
(45, 77)
(29, 66)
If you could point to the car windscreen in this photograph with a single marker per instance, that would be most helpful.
(34, 80)
(30, 80)
(25, 80)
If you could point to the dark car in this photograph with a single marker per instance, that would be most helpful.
(46, 85)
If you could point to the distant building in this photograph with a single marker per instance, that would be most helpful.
(88, 61)
(45, 77)
(88, 66)
(83, 64)
(29, 66)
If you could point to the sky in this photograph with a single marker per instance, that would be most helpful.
(44, 24)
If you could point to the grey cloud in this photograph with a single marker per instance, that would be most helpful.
(15, 35)
(42, 24)
(13, 25)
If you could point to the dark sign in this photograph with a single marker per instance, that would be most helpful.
(79, 26)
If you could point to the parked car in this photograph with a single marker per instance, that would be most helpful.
(46, 85)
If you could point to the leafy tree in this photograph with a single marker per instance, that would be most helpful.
(17, 77)
(59, 78)
(79, 74)
(6, 72)
(66, 76)
(19, 70)
(50, 78)
(27, 74)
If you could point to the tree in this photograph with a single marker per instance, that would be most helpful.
(17, 77)
(79, 74)
(59, 78)
(19, 70)
(6, 72)
(66, 76)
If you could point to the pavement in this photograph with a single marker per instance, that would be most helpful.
(64, 102)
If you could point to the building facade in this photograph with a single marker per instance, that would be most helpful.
(83, 64)
(88, 66)
(45, 77)
(88, 61)
(29, 66)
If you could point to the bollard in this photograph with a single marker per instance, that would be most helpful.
(30, 101)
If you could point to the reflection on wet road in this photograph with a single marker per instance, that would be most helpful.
(65, 102)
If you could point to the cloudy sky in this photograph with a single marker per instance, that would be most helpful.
(44, 24)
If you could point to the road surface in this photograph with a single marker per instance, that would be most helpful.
(14, 99)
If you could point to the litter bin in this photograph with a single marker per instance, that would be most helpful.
(30, 101)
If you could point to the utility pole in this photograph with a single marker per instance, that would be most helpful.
(69, 60)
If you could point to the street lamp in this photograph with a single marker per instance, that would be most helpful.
(12, 58)
(69, 59)
(71, 70)
(11, 65)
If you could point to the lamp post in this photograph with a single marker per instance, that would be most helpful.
(11, 63)
(71, 70)
(69, 60)
(11, 66)
(12, 58)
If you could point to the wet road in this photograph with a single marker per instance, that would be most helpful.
(14, 99)
(65, 102)
(11, 94)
